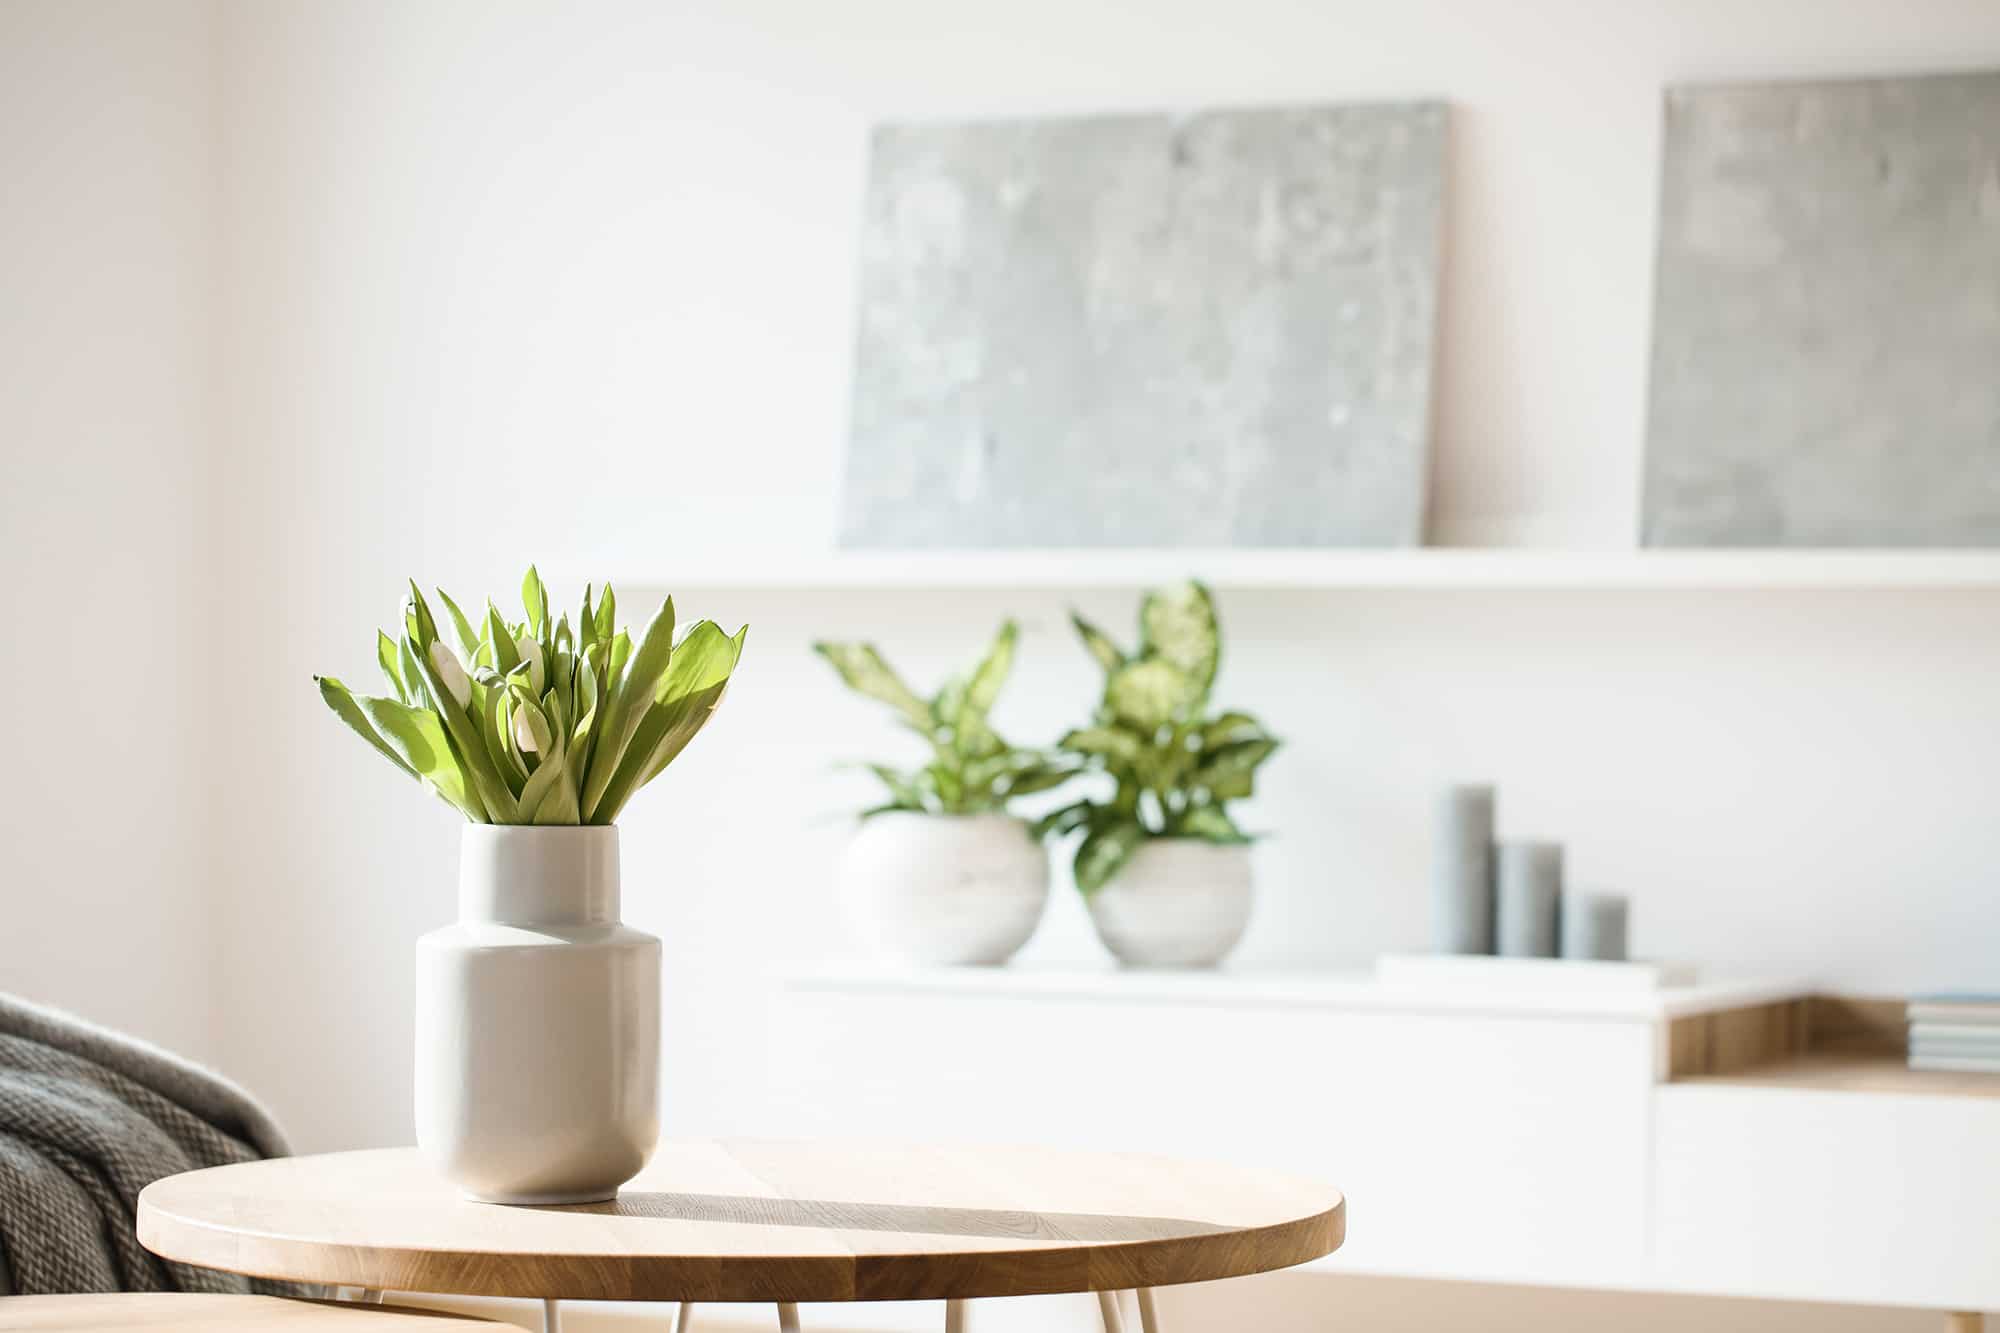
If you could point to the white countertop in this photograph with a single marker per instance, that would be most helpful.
(1254, 988)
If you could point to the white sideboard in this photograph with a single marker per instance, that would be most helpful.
(1678, 1141)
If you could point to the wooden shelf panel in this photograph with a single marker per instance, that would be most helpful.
(1829, 1043)
(1870, 1070)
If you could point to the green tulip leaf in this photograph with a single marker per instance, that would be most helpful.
(341, 700)
(631, 697)
(386, 654)
(500, 642)
(417, 620)
(468, 642)
(492, 791)
(560, 805)
(607, 613)
(418, 693)
(535, 601)
(542, 784)
(686, 697)
(418, 736)
(617, 652)
(586, 624)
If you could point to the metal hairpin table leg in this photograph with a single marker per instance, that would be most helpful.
(686, 1320)
(1114, 1319)
(551, 1317)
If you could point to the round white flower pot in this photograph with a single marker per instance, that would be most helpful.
(945, 888)
(1178, 902)
(538, 1023)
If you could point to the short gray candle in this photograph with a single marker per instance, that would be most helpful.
(1594, 925)
(1462, 871)
(1529, 898)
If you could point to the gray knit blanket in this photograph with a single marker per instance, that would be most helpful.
(88, 1118)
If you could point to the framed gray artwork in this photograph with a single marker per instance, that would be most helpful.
(1826, 331)
(1148, 330)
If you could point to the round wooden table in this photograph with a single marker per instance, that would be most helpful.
(757, 1221)
(187, 1312)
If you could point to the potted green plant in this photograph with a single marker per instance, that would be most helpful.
(1164, 868)
(538, 1010)
(940, 871)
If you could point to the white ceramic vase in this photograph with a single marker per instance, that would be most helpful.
(945, 889)
(1178, 902)
(538, 1023)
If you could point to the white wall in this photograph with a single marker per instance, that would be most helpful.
(510, 281)
(499, 281)
(490, 281)
(106, 350)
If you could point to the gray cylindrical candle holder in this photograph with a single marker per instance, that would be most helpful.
(1462, 871)
(1528, 899)
(1594, 925)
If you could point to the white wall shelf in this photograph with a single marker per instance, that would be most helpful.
(1441, 568)
(1359, 991)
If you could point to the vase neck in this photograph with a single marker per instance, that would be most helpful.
(524, 875)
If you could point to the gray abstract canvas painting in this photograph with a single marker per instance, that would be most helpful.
(1148, 330)
(1826, 338)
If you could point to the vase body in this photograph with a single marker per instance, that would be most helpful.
(945, 889)
(1178, 902)
(538, 1023)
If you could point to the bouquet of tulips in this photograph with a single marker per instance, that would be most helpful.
(538, 721)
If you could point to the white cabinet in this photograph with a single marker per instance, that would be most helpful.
(1520, 1139)
(1470, 1142)
(1861, 1197)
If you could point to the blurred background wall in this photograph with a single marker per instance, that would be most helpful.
(309, 297)
(512, 281)
(108, 273)
(357, 291)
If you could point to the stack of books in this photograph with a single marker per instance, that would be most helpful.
(1955, 1032)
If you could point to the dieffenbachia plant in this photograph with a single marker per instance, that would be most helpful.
(971, 770)
(538, 722)
(1173, 764)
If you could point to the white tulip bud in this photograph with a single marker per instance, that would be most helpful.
(531, 653)
(525, 731)
(452, 672)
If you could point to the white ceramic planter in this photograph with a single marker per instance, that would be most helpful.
(1179, 902)
(538, 1023)
(945, 888)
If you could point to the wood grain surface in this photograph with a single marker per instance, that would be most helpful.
(187, 1312)
(1841, 1071)
(756, 1221)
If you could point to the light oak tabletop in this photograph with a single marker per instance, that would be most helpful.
(756, 1221)
(187, 1312)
